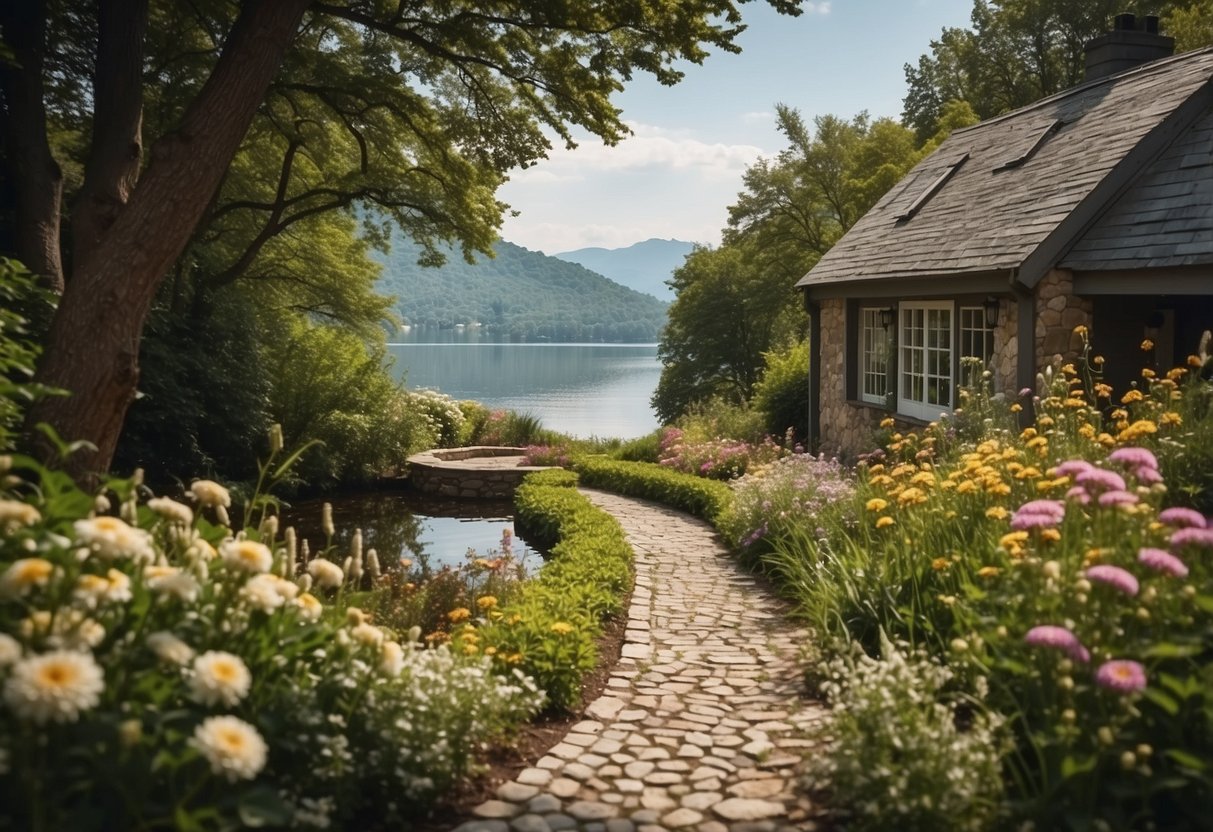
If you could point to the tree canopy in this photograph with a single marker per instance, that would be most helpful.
(262, 117)
(1017, 51)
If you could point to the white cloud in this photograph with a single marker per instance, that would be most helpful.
(552, 238)
(822, 8)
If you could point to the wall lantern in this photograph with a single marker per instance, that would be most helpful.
(886, 317)
(991, 307)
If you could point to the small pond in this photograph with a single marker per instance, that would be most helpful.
(431, 532)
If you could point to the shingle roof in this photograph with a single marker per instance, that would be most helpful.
(988, 217)
(1166, 217)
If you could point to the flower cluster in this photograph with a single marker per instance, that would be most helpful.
(719, 459)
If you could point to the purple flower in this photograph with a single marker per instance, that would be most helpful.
(1023, 522)
(1161, 560)
(1027, 391)
(1079, 494)
(1049, 635)
(1194, 536)
(1102, 479)
(1054, 508)
(1071, 467)
(1115, 577)
(1122, 676)
(1147, 476)
(1134, 458)
(1117, 498)
(1180, 516)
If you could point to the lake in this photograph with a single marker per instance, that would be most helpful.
(581, 389)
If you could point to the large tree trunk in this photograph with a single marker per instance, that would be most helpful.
(93, 346)
(38, 181)
(117, 143)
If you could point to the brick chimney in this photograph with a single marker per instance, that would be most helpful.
(1131, 42)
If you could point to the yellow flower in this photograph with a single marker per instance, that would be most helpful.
(1015, 408)
(1012, 539)
(1093, 556)
(884, 522)
(1140, 428)
(1146, 372)
(514, 658)
(1106, 440)
(1074, 401)
(878, 468)
(1176, 373)
(562, 628)
(1027, 433)
(912, 496)
(1170, 418)
(459, 614)
(1098, 360)
(988, 571)
(1103, 391)
(470, 649)
(887, 422)
(1050, 535)
(1080, 330)
(877, 504)
(1195, 361)
(965, 486)
(1147, 345)
(1028, 473)
(1045, 421)
(1068, 369)
(940, 564)
(486, 602)
(1131, 396)
(1087, 430)
(997, 513)
(490, 651)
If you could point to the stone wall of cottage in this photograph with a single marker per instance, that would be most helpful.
(1058, 311)
(846, 429)
(1006, 347)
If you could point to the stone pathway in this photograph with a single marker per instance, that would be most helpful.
(701, 724)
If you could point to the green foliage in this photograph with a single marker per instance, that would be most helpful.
(645, 448)
(520, 294)
(695, 495)
(549, 630)
(1018, 51)
(159, 672)
(906, 750)
(782, 394)
(19, 298)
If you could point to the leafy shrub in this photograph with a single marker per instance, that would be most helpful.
(442, 415)
(646, 448)
(782, 394)
(698, 496)
(549, 631)
(18, 352)
(721, 419)
(159, 671)
(898, 756)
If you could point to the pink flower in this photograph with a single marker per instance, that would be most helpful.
(1194, 536)
(1117, 498)
(1048, 635)
(1180, 516)
(1023, 522)
(1072, 467)
(1115, 577)
(1122, 676)
(1079, 495)
(1134, 458)
(1055, 508)
(1100, 478)
(1147, 476)
(1038, 514)
(1161, 560)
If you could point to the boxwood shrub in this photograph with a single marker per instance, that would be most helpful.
(702, 497)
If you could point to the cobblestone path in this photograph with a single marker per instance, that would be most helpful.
(701, 724)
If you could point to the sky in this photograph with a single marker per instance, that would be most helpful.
(675, 177)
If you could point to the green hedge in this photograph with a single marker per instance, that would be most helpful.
(702, 497)
(549, 631)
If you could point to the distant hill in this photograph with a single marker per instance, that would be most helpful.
(519, 293)
(644, 267)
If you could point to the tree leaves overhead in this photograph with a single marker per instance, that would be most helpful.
(1018, 51)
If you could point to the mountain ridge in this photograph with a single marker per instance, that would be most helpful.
(644, 266)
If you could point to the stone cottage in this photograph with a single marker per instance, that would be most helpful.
(1090, 207)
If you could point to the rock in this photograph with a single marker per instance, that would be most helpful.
(586, 810)
(757, 788)
(483, 826)
(530, 823)
(559, 822)
(605, 708)
(578, 771)
(496, 809)
(564, 787)
(681, 817)
(516, 792)
(544, 804)
(535, 776)
(702, 800)
(741, 808)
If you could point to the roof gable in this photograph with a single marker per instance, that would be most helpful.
(1013, 203)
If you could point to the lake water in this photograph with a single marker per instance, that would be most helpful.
(580, 389)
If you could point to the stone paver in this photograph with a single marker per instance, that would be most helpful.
(701, 725)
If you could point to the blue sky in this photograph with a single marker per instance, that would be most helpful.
(679, 172)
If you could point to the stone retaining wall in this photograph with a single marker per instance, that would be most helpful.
(480, 472)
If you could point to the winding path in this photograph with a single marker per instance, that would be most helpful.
(701, 724)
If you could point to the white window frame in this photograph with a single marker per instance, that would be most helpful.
(933, 359)
(973, 329)
(873, 357)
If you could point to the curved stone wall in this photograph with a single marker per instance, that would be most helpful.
(478, 472)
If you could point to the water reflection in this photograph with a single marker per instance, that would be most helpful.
(431, 532)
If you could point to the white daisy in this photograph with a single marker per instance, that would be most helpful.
(233, 748)
(210, 493)
(112, 539)
(10, 650)
(14, 514)
(327, 574)
(171, 510)
(309, 607)
(391, 658)
(247, 555)
(219, 678)
(261, 592)
(54, 687)
(25, 574)
(168, 648)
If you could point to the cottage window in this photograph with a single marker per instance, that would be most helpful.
(873, 357)
(976, 342)
(925, 341)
